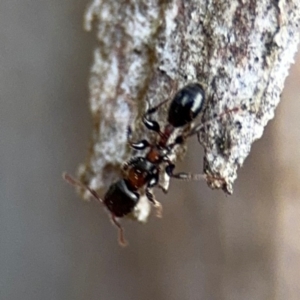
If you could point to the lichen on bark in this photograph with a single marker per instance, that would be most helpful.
(240, 51)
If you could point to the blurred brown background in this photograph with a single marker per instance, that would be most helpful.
(53, 246)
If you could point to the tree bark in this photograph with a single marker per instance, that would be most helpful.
(239, 51)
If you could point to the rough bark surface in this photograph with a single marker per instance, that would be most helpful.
(240, 51)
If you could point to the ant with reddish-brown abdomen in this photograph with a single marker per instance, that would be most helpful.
(142, 173)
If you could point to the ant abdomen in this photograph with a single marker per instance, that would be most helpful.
(119, 199)
(186, 105)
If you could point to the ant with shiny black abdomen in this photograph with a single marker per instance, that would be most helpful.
(142, 173)
(184, 108)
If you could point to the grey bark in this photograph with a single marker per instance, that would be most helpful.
(240, 51)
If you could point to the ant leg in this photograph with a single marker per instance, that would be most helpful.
(150, 124)
(189, 176)
(121, 238)
(196, 129)
(68, 178)
(156, 204)
(153, 182)
(183, 175)
(200, 126)
(198, 137)
(141, 145)
(152, 110)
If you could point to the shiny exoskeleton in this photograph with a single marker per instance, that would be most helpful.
(142, 173)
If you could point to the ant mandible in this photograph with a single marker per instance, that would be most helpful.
(142, 172)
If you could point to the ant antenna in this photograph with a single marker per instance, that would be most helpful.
(71, 180)
(68, 178)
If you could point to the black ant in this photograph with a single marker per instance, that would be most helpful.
(142, 172)
(184, 108)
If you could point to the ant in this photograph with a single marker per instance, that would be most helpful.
(142, 172)
(184, 108)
